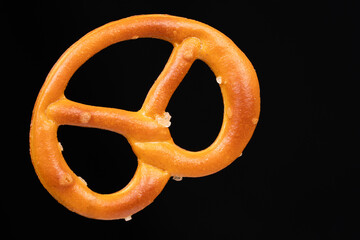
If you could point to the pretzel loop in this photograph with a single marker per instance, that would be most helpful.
(158, 156)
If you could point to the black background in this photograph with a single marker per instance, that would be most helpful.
(299, 175)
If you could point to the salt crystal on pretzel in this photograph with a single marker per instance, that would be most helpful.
(164, 120)
(177, 178)
(83, 180)
(61, 147)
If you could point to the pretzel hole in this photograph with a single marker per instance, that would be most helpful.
(196, 108)
(120, 75)
(103, 159)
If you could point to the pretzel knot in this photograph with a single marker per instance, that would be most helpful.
(147, 129)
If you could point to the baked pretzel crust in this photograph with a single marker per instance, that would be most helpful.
(147, 129)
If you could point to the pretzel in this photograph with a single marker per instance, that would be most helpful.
(146, 130)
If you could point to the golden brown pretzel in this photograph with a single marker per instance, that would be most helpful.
(147, 129)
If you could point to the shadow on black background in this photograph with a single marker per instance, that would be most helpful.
(299, 175)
